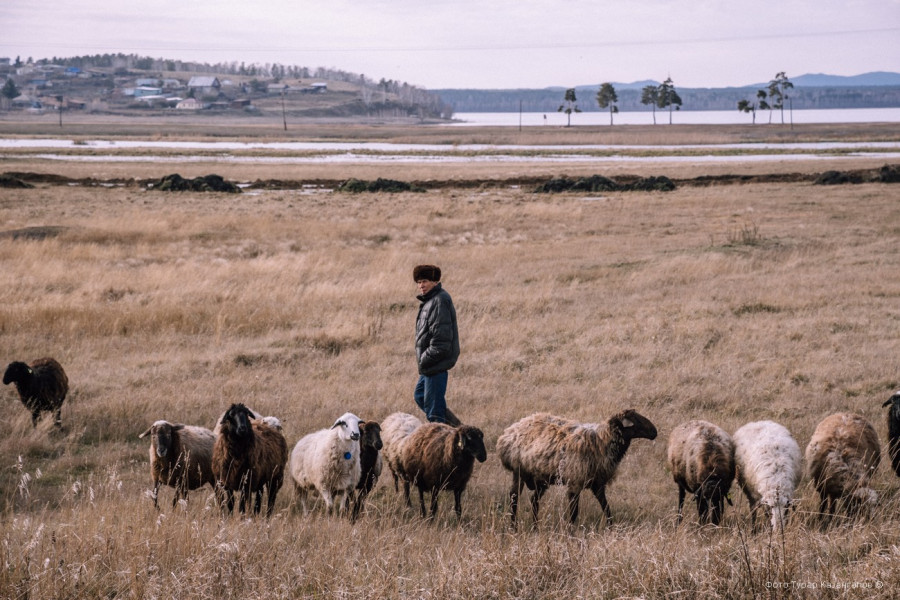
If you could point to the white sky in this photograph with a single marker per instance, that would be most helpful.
(479, 43)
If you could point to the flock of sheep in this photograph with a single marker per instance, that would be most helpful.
(247, 454)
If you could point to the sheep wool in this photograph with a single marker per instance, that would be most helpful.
(841, 458)
(180, 457)
(768, 466)
(395, 430)
(701, 458)
(439, 457)
(42, 386)
(542, 450)
(327, 461)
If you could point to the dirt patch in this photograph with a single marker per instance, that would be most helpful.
(33, 233)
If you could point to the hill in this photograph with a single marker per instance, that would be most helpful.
(130, 84)
(869, 90)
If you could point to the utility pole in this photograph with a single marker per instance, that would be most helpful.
(283, 114)
(60, 109)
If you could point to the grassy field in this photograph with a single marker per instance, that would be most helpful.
(728, 303)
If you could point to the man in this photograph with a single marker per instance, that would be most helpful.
(437, 344)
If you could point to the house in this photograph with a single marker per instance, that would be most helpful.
(277, 88)
(189, 104)
(147, 82)
(146, 90)
(205, 86)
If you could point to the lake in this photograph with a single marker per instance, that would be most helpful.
(681, 117)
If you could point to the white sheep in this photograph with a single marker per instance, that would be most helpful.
(327, 461)
(841, 458)
(541, 450)
(768, 466)
(395, 430)
(701, 458)
(180, 457)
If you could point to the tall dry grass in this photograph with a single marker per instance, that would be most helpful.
(730, 304)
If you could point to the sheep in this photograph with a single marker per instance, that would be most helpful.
(439, 457)
(395, 430)
(701, 458)
(893, 424)
(370, 461)
(248, 456)
(327, 461)
(180, 457)
(42, 386)
(768, 466)
(841, 458)
(542, 449)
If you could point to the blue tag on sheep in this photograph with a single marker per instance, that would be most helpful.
(347, 455)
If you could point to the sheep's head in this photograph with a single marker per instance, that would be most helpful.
(895, 399)
(273, 422)
(778, 507)
(370, 434)
(711, 496)
(635, 425)
(471, 439)
(347, 426)
(161, 434)
(236, 421)
(17, 371)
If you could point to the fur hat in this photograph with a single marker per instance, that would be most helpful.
(429, 272)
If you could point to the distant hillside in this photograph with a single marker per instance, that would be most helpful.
(869, 90)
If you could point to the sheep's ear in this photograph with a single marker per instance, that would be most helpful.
(146, 433)
(626, 422)
(338, 423)
(178, 427)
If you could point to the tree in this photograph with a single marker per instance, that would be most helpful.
(607, 97)
(668, 97)
(747, 107)
(762, 96)
(650, 95)
(569, 105)
(778, 89)
(9, 90)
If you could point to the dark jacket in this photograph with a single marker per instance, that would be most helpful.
(437, 338)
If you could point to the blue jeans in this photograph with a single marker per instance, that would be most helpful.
(430, 396)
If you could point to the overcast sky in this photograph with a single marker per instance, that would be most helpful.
(479, 43)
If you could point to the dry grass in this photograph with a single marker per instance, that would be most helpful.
(730, 304)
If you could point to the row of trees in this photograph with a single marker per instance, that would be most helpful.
(662, 96)
(771, 98)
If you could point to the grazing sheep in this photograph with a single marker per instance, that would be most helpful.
(542, 450)
(841, 458)
(701, 458)
(327, 461)
(248, 456)
(42, 386)
(439, 457)
(370, 461)
(893, 424)
(768, 465)
(395, 430)
(180, 457)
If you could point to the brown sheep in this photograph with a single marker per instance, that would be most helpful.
(370, 461)
(247, 457)
(180, 457)
(701, 458)
(42, 386)
(841, 458)
(440, 457)
(542, 450)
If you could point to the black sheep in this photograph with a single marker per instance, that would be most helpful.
(893, 423)
(370, 461)
(42, 386)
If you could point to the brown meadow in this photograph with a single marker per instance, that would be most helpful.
(728, 303)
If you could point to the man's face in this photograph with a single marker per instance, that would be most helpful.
(425, 285)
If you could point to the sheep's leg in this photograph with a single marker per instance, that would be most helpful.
(514, 493)
(539, 489)
(156, 495)
(422, 501)
(681, 492)
(329, 501)
(406, 493)
(457, 503)
(600, 494)
(35, 415)
(396, 483)
(257, 502)
(270, 500)
(572, 505)
(434, 501)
